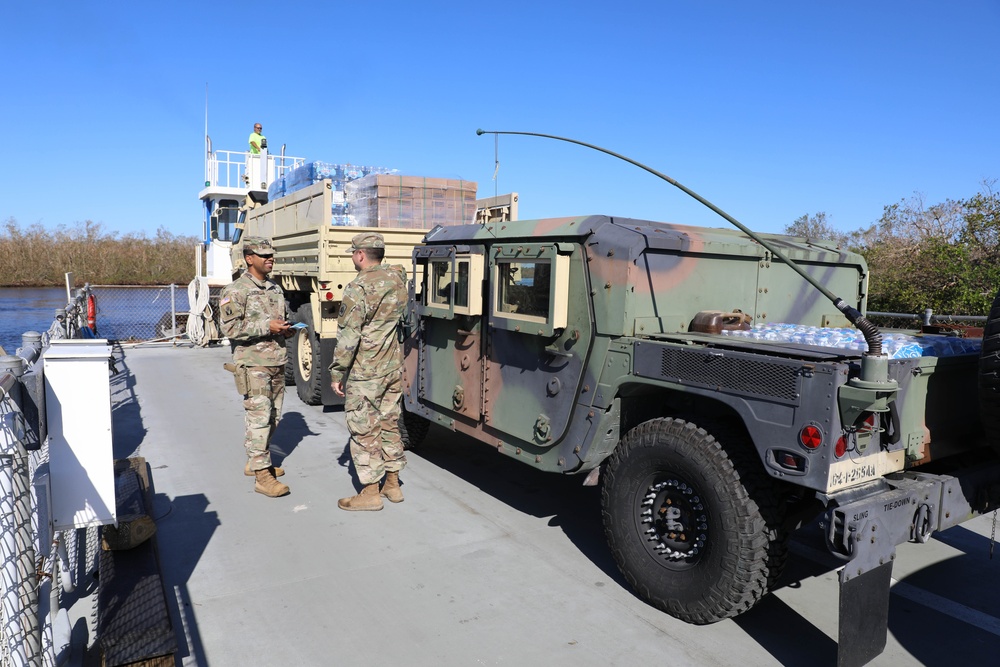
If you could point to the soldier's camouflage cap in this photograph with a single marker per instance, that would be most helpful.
(367, 240)
(258, 245)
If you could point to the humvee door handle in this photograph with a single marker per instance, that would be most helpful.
(557, 353)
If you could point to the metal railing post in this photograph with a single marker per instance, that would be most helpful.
(928, 316)
(60, 317)
(17, 548)
(173, 314)
(69, 286)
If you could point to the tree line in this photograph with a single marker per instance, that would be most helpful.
(944, 256)
(35, 257)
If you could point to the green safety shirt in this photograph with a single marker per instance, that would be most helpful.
(255, 137)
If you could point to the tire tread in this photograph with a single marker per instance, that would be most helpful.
(761, 546)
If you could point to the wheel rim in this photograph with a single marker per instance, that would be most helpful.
(305, 355)
(670, 514)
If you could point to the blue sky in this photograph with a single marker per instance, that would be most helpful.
(770, 110)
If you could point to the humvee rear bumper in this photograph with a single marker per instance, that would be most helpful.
(902, 507)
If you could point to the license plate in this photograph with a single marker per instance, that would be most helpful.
(862, 469)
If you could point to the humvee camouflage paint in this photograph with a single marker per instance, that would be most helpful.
(569, 304)
(593, 346)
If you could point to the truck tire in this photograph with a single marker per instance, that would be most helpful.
(989, 376)
(290, 343)
(306, 359)
(696, 533)
(412, 428)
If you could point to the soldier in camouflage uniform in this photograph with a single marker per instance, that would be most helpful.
(252, 310)
(369, 356)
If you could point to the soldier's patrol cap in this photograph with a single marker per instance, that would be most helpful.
(258, 245)
(367, 240)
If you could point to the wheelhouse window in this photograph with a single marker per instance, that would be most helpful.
(224, 220)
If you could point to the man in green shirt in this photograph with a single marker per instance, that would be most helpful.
(257, 140)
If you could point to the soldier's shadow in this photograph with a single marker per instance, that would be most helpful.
(290, 432)
(345, 461)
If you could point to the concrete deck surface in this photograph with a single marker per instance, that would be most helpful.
(486, 562)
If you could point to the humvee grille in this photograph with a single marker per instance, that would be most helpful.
(731, 372)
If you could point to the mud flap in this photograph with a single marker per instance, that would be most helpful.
(326, 347)
(864, 615)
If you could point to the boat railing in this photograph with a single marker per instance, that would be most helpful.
(240, 169)
(33, 628)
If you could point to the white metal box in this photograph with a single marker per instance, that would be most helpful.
(78, 414)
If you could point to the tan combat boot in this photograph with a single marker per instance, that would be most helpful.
(390, 489)
(275, 470)
(368, 500)
(268, 485)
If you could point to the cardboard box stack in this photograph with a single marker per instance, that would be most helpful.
(412, 202)
(314, 172)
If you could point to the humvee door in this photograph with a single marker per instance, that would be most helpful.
(449, 308)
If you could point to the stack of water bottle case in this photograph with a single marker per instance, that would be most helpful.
(379, 197)
(896, 345)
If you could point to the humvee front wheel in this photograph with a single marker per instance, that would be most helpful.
(686, 525)
(989, 376)
(306, 359)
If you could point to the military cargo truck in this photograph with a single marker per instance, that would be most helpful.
(312, 263)
(647, 357)
(312, 244)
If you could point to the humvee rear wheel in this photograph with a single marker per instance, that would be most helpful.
(686, 525)
(989, 376)
(306, 359)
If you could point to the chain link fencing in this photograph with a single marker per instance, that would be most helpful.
(132, 314)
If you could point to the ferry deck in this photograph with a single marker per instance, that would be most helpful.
(486, 562)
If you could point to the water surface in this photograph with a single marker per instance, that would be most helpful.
(123, 313)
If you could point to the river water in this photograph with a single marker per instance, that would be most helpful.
(123, 313)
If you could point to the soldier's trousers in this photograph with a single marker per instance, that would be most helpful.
(372, 409)
(262, 402)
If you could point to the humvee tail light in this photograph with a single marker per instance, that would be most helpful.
(841, 447)
(789, 461)
(869, 422)
(810, 437)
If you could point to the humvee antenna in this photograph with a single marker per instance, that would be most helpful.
(871, 333)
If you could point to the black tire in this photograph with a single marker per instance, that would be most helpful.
(989, 376)
(412, 429)
(290, 364)
(306, 359)
(719, 542)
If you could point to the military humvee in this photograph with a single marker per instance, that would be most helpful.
(622, 351)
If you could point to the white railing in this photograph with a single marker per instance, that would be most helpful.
(233, 169)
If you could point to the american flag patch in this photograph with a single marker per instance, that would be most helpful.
(224, 301)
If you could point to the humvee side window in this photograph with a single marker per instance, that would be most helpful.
(523, 288)
(454, 286)
(530, 289)
(439, 285)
